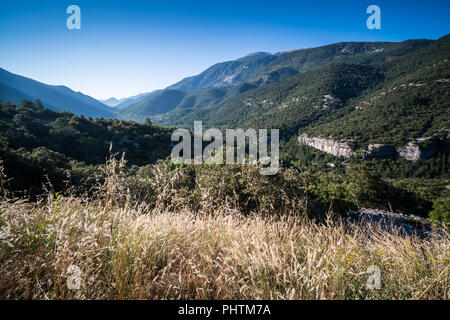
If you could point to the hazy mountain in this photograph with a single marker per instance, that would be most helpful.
(112, 102)
(226, 74)
(15, 88)
(291, 103)
(168, 100)
(166, 105)
(254, 56)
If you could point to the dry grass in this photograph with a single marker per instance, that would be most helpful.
(134, 251)
(138, 254)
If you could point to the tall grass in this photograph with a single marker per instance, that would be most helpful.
(137, 250)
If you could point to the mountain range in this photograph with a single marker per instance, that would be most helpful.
(196, 95)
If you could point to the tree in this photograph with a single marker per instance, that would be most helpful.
(26, 104)
(38, 104)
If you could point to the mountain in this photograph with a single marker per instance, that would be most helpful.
(410, 108)
(400, 106)
(226, 74)
(266, 67)
(196, 97)
(168, 100)
(112, 102)
(15, 88)
(125, 103)
(254, 56)
(396, 99)
(163, 106)
(291, 103)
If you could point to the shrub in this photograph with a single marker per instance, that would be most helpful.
(201, 187)
(441, 210)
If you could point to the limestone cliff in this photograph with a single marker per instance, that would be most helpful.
(414, 151)
(338, 149)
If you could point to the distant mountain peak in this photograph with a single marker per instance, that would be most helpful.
(111, 102)
(258, 53)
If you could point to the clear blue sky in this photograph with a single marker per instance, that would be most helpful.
(134, 46)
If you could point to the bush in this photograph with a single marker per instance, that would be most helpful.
(441, 210)
(360, 186)
(201, 187)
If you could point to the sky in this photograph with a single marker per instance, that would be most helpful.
(129, 47)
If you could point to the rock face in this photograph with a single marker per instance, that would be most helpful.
(338, 149)
(413, 152)
(417, 150)
(379, 151)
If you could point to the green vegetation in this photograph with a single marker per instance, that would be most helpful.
(410, 107)
(295, 102)
(441, 210)
(218, 91)
(43, 147)
(265, 68)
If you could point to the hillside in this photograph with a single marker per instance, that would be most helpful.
(15, 88)
(393, 101)
(111, 102)
(293, 102)
(412, 104)
(37, 144)
(170, 107)
(134, 100)
(166, 106)
(267, 67)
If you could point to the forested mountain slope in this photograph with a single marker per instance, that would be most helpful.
(210, 88)
(389, 102)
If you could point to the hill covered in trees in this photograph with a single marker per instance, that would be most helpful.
(37, 143)
(194, 96)
(328, 93)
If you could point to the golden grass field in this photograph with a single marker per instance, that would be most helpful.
(132, 253)
(135, 251)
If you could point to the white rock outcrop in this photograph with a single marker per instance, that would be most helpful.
(413, 152)
(338, 149)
